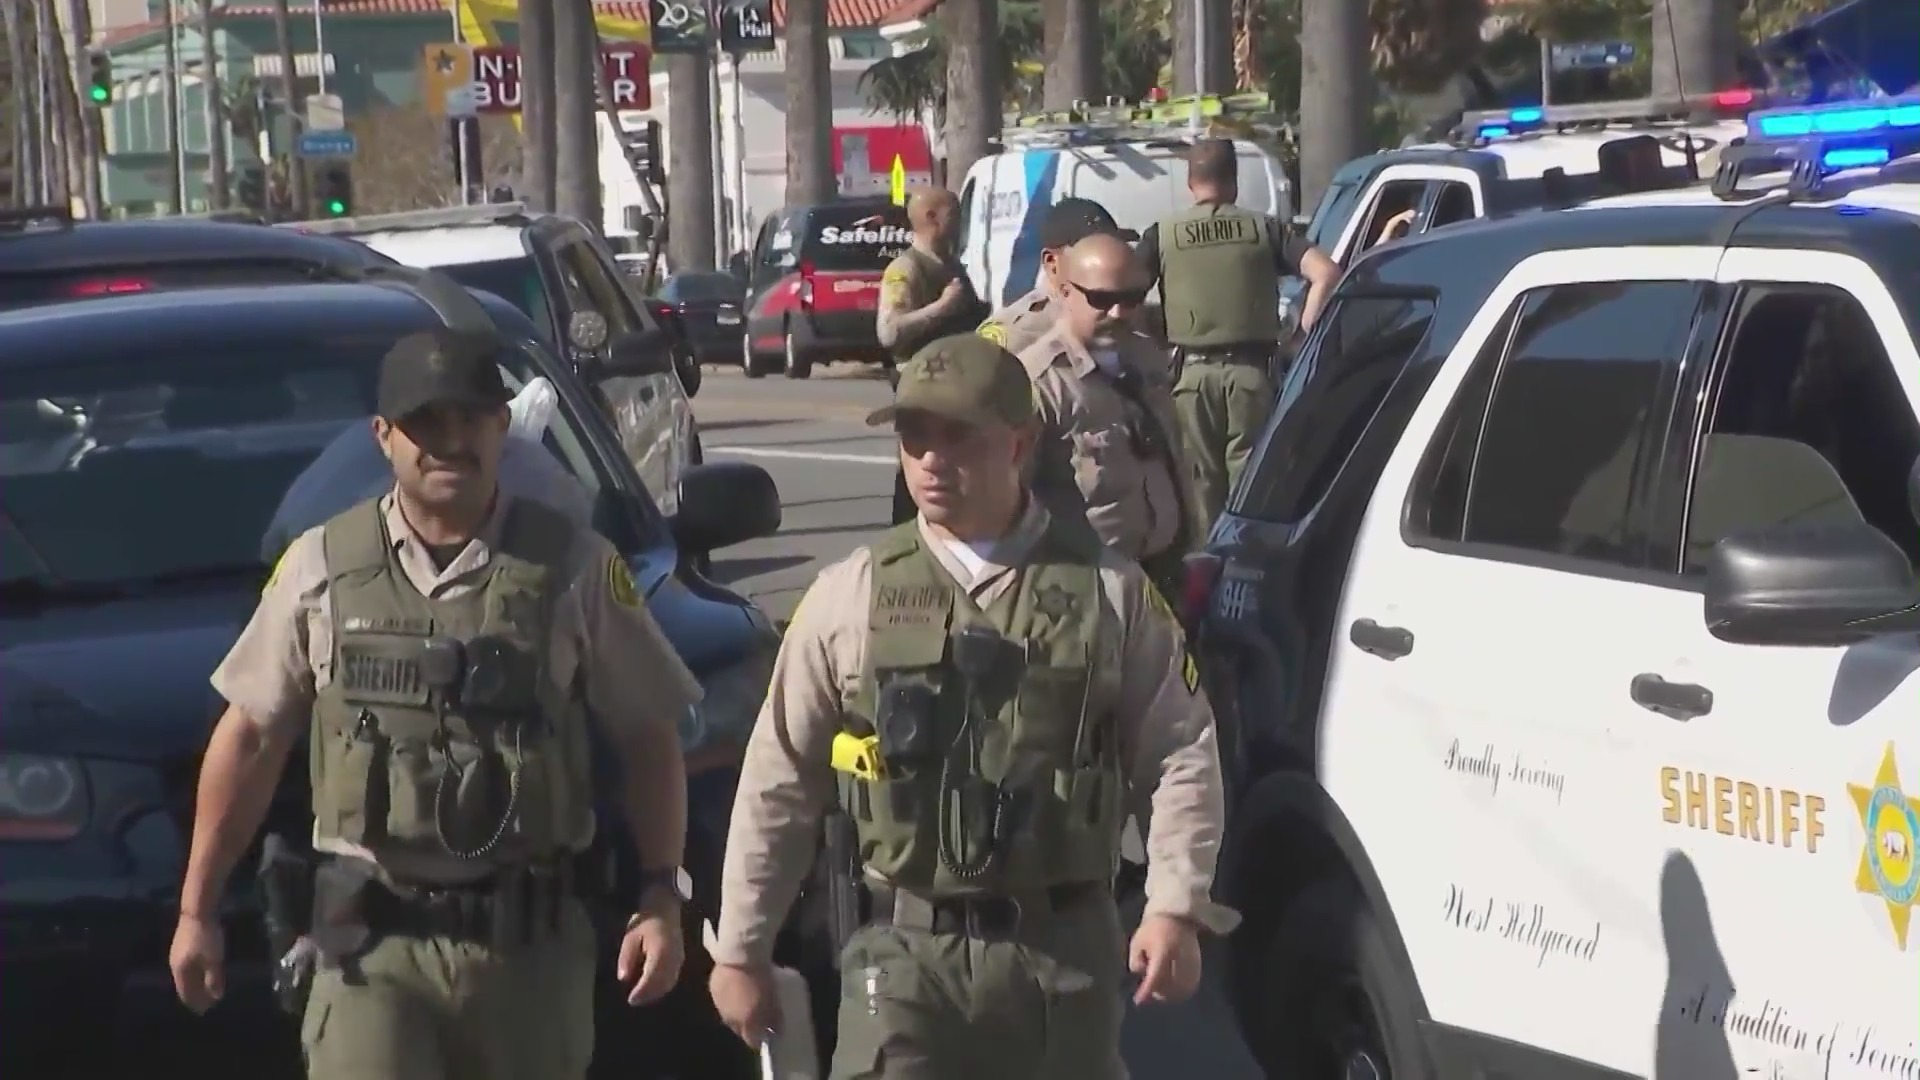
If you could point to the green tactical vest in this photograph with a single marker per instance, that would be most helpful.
(1218, 284)
(1040, 804)
(930, 277)
(496, 769)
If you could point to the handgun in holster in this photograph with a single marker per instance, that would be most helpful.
(286, 891)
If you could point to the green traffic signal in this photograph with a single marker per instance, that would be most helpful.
(336, 207)
(98, 94)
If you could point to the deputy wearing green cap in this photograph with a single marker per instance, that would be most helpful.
(986, 693)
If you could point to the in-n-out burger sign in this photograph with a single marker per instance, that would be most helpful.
(867, 231)
(496, 77)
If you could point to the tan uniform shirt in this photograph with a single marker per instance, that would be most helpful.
(1021, 323)
(1147, 682)
(1133, 493)
(611, 648)
(905, 319)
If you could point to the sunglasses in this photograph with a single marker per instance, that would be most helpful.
(1108, 299)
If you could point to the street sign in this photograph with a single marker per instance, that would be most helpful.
(326, 144)
(1591, 55)
(324, 113)
(496, 77)
(897, 182)
(746, 26)
(446, 78)
(680, 26)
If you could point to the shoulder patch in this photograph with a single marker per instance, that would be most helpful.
(993, 332)
(620, 583)
(1189, 671)
(895, 275)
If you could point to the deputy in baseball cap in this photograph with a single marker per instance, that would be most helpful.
(440, 367)
(1027, 320)
(965, 379)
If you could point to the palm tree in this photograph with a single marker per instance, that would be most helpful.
(809, 105)
(216, 117)
(1419, 44)
(1336, 92)
(80, 20)
(1073, 53)
(974, 87)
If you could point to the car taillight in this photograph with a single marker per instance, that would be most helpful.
(109, 287)
(1196, 590)
(1733, 99)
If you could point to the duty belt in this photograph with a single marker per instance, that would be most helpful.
(1254, 355)
(986, 918)
(515, 904)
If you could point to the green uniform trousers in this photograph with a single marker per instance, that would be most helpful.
(1044, 1004)
(1223, 406)
(442, 1008)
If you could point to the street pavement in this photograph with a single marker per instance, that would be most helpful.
(835, 477)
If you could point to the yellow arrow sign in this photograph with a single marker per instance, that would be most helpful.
(897, 181)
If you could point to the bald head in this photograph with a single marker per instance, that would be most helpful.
(1213, 170)
(928, 206)
(1102, 286)
(1102, 261)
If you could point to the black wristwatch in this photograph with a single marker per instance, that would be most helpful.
(674, 881)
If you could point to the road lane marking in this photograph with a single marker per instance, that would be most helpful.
(805, 455)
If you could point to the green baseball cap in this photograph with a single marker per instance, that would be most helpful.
(966, 378)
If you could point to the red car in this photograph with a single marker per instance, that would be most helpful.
(813, 283)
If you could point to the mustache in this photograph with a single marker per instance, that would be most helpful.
(449, 461)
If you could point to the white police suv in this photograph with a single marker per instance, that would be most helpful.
(1565, 638)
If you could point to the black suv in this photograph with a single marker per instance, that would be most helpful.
(159, 451)
(1516, 461)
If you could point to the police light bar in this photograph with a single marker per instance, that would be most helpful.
(1499, 123)
(1853, 120)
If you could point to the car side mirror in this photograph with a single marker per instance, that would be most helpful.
(724, 503)
(587, 330)
(1819, 585)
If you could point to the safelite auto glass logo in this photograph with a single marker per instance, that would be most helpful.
(871, 230)
(1891, 822)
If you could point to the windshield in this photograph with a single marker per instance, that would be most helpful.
(701, 287)
(35, 287)
(854, 238)
(119, 473)
(1336, 206)
(516, 281)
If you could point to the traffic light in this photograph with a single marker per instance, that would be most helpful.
(250, 188)
(333, 190)
(643, 153)
(99, 79)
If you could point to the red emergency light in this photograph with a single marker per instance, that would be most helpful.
(109, 287)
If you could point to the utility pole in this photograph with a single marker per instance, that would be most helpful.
(19, 104)
(216, 111)
(176, 183)
(55, 137)
(576, 142)
(537, 83)
(290, 102)
(79, 34)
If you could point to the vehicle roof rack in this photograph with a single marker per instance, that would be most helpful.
(1812, 143)
(56, 217)
(1485, 125)
(1117, 120)
(508, 213)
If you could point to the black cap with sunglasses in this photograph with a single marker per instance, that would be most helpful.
(1072, 220)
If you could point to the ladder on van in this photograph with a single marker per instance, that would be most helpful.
(1246, 116)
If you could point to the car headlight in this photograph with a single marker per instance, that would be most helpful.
(42, 798)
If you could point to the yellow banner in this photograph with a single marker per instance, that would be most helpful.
(484, 22)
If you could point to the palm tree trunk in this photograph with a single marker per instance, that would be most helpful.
(290, 101)
(690, 178)
(216, 113)
(1336, 92)
(972, 33)
(59, 108)
(29, 182)
(13, 93)
(1219, 45)
(1689, 46)
(810, 177)
(1071, 34)
(1246, 64)
(176, 183)
(576, 129)
(80, 32)
(537, 82)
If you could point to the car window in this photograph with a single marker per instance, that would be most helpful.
(203, 451)
(1453, 204)
(964, 218)
(1336, 206)
(698, 287)
(1565, 435)
(857, 237)
(516, 281)
(1331, 394)
(1807, 423)
(1396, 197)
(604, 288)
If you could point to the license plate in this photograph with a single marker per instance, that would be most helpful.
(727, 318)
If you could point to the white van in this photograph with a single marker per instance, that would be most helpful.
(1134, 170)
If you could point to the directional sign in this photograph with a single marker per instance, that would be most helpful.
(325, 144)
(679, 26)
(897, 182)
(1590, 55)
(746, 26)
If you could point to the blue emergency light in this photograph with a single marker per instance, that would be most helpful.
(1857, 121)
